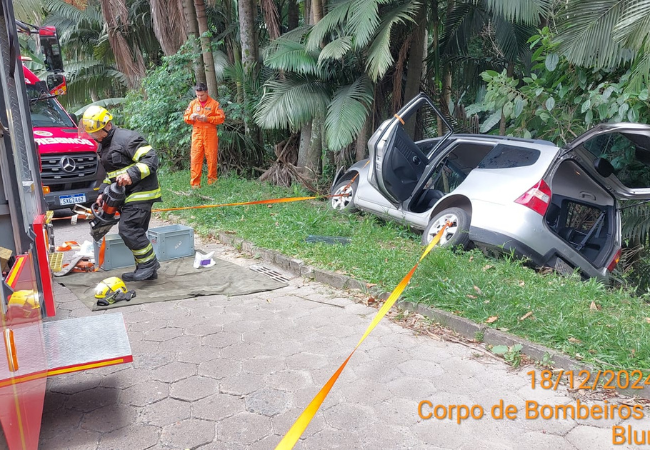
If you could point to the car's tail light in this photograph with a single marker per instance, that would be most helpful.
(536, 198)
(614, 261)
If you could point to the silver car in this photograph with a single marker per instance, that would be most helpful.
(559, 207)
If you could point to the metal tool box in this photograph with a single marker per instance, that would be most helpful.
(172, 241)
(116, 253)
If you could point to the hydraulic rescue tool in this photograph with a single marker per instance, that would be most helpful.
(107, 213)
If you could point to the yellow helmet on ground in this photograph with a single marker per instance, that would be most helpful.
(95, 118)
(25, 301)
(109, 287)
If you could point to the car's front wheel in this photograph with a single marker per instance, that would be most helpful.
(456, 234)
(343, 195)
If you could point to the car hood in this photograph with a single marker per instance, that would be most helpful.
(618, 155)
(62, 140)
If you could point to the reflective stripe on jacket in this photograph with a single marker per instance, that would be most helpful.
(125, 151)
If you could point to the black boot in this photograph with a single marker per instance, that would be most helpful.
(145, 271)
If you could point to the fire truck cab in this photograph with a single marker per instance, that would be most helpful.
(35, 345)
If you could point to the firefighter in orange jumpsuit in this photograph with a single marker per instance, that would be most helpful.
(204, 114)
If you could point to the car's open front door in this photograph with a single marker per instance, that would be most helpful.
(619, 156)
(397, 161)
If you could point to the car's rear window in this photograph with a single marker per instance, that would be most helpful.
(508, 156)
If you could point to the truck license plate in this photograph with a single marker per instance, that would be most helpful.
(72, 199)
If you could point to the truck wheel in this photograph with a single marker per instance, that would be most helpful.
(457, 234)
(345, 192)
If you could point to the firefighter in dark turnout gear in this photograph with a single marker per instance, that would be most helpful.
(130, 162)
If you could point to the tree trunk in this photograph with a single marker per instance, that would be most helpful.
(247, 36)
(193, 34)
(362, 140)
(271, 18)
(208, 59)
(249, 56)
(308, 156)
(307, 17)
(317, 10)
(292, 15)
(305, 142)
(116, 16)
(168, 24)
(415, 64)
(310, 150)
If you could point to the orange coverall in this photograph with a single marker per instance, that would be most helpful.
(205, 142)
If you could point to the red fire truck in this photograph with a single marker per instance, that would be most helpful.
(34, 348)
(70, 169)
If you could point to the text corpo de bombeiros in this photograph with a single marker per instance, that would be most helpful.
(533, 410)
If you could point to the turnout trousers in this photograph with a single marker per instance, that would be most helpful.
(133, 226)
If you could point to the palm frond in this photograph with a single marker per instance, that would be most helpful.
(512, 38)
(462, 24)
(363, 21)
(336, 17)
(347, 113)
(633, 28)
(59, 9)
(291, 103)
(28, 10)
(292, 56)
(379, 55)
(221, 63)
(586, 33)
(636, 223)
(640, 76)
(521, 11)
(335, 49)
(105, 103)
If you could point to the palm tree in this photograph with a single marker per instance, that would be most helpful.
(607, 34)
(501, 28)
(336, 81)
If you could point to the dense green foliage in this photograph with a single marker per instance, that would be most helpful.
(559, 101)
(157, 108)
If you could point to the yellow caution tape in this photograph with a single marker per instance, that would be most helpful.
(300, 425)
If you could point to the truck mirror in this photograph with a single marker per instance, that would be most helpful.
(51, 49)
(56, 84)
(74, 118)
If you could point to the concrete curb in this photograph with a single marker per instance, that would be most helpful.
(460, 325)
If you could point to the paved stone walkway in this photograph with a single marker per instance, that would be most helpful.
(234, 373)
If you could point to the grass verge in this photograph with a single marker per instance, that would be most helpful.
(607, 328)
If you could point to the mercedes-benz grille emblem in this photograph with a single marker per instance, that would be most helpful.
(68, 164)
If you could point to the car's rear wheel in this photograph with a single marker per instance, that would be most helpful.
(456, 234)
(343, 195)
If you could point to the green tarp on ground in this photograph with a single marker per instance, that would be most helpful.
(177, 279)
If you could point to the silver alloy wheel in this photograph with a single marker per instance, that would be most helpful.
(344, 197)
(449, 232)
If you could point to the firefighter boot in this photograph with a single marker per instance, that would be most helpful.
(144, 271)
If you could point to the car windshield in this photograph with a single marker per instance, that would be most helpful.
(45, 110)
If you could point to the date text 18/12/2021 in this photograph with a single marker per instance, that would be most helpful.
(533, 410)
(585, 379)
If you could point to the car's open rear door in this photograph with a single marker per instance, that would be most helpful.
(397, 161)
(618, 155)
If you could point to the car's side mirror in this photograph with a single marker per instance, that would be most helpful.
(75, 119)
(56, 84)
(603, 167)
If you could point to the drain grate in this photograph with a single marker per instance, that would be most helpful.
(270, 273)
